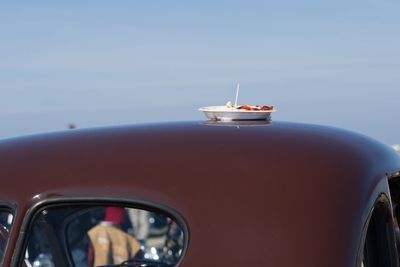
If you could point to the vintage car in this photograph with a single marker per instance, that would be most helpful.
(199, 194)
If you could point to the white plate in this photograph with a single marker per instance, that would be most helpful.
(223, 113)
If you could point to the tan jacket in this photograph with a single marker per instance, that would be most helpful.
(112, 245)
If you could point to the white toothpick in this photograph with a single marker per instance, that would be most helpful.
(237, 94)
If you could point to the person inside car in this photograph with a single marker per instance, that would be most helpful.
(109, 243)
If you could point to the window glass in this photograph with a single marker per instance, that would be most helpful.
(6, 219)
(379, 245)
(104, 235)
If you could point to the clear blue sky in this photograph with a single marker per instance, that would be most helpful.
(99, 63)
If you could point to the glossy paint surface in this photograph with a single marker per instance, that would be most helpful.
(279, 194)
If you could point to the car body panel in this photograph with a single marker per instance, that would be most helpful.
(279, 194)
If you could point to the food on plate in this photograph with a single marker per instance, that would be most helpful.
(230, 111)
(230, 106)
(255, 108)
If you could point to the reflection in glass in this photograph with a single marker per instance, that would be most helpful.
(99, 235)
(238, 123)
(6, 219)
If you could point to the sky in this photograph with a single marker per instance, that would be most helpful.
(101, 63)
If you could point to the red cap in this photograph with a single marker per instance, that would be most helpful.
(115, 215)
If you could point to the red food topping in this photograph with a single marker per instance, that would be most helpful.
(256, 108)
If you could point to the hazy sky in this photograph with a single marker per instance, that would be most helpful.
(99, 63)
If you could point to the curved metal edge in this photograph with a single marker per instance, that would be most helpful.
(96, 201)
